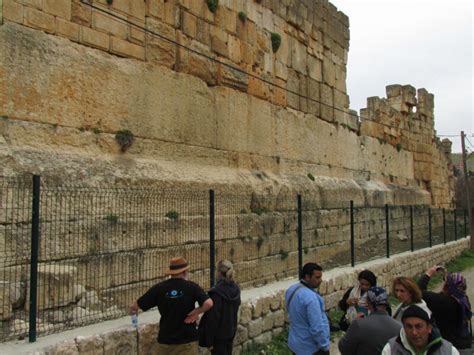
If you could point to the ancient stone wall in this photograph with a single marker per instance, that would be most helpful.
(262, 313)
(211, 104)
(405, 119)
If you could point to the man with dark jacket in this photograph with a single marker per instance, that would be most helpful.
(367, 336)
(418, 336)
(218, 326)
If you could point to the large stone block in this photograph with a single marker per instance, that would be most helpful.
(120, 342)
(40, 20)
(13, 11)
(255, 327)
(55, 286)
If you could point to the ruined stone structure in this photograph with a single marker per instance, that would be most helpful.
(211, 102)
(74, 73)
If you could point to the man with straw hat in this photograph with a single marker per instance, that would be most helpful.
(176, 298)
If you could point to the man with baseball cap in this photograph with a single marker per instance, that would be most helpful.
(367, 336)
(176, 298)
(418, 336)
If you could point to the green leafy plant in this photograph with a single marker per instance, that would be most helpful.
(96, 130)
(259, 211)
(283, 254)
(172, 215)
(112, 218)
(276, 41)
(212, 5)
(124, 138)
(399, 147)
(242, 16)
(311, 177)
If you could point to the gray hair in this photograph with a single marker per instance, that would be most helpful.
(226, 270)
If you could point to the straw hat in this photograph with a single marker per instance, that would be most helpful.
(177, 266)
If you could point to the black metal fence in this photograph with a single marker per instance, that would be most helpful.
(75, 255)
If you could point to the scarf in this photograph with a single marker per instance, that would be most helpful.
(456, 287)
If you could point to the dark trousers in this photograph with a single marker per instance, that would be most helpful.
(222, 347)
(320, 352)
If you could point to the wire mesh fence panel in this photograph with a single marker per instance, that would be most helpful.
(15, 251)
(437, 226)
(399, 228)
(452, 228)
(258, 234)
(326, 234)
(461, 220)
(420, 227)
(370, 233)
(101, 248)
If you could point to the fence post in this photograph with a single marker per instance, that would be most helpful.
(352, 235)
(387, 231)
(455, 226)
(430, 237)
(412, 245)
(300, 235)
(212, 237)
(444, 226)
(35, 236)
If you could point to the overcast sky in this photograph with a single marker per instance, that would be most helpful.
(425, 43)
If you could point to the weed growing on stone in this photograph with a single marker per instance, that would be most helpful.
(172, 215)
(242, 16)
(258, 210)
(212, 5)
(276, 41)
(283, 254)
(124, 138)
(311, 177)
(112, 218)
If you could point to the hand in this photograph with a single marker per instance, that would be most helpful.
(192, 316)
(133, 309)
(352, 301)
(433, 270)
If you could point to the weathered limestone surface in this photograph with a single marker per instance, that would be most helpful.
(72, 76)
(262, 313)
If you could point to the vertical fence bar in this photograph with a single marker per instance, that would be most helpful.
(430, 232)
(455, 226)
(444, 226)
(412, 245)
(465, 223)
(352, 235)
(300, 234)
(212, 238)
(387, 231)
(35, 235)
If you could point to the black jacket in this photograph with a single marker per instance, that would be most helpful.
(446, 313)
(220, 322)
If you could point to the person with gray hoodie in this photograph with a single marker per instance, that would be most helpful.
(218, 326)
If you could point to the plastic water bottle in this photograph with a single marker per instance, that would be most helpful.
(135, 320)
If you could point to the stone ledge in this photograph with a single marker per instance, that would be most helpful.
(262, 312)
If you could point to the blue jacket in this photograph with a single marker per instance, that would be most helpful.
(309, 326)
